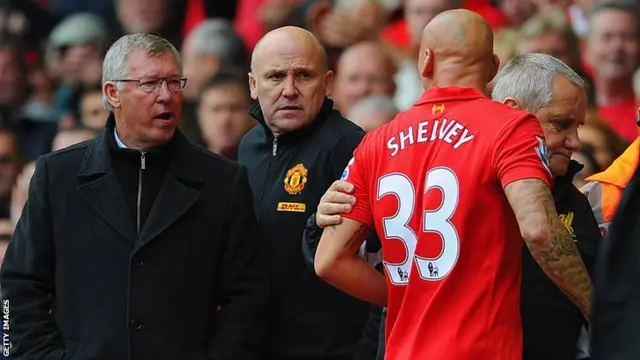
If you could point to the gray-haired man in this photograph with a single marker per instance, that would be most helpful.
(137, 244)
(545, 86)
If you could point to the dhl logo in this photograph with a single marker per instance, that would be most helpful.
(293, 207)
(437, 109)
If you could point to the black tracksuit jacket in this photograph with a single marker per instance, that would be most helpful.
(551, 323)
(309, 319)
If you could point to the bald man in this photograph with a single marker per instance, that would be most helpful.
(363, 69)
(300, 147)
(451, 186)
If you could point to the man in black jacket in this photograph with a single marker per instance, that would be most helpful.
(551, 322)
(137, 244)
(301, 146)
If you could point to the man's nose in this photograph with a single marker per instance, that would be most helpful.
(289, 88)
(365, 88)
(572, 142)
(164, 93)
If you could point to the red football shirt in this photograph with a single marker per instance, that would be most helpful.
(431, 182)
(622, 117)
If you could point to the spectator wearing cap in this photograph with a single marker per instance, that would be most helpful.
(76, 46)
(74, 57)
(213, 45)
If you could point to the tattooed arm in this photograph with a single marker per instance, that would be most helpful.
(337, 262)
(549, 241)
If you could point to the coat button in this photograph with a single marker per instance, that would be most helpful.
(136, 325)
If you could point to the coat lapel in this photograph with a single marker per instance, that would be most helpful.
(100, 187)
(178, 193)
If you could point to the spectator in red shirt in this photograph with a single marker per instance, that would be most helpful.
(612, 51)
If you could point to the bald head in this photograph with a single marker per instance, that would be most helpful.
(290, 78)
(367, 51)
(455, 45)
(363, 69)
(284, 39)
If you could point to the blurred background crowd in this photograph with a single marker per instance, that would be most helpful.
(51, 51)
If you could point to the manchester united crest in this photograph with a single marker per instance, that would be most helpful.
(295, 179)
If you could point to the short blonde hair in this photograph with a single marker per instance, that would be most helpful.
(505, 44)
(554, 22)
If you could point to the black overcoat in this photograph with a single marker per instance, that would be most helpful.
(82, 283)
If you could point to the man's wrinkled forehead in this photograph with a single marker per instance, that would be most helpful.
(567, 106)
(162, 64)
(287, 59)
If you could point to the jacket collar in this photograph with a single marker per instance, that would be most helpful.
(325, 110)
(449, 93)
(564, 182)
(97, 159)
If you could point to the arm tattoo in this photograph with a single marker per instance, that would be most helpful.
(556, 253)
(357, 236)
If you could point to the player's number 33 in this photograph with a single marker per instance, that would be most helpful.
(433, 221)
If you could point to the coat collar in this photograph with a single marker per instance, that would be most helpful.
(97, 159)
(99, 185)
(564, 182)
(449, 93)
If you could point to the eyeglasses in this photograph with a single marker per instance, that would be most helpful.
(150, 85)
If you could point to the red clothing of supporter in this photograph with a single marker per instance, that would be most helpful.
(431, 182)
(397, 33)
(622, 117)
(195, 15)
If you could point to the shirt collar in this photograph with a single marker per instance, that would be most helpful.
(121, 145)
(449, 93)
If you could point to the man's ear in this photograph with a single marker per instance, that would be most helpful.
(253, 86)
(328, 83)
(110, 91)
(427, 64)
(512, 103)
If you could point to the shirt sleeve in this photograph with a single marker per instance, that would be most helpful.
(356, 173)
(521, 152)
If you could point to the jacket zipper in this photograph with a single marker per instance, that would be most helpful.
(274, 152)
(143, 165)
